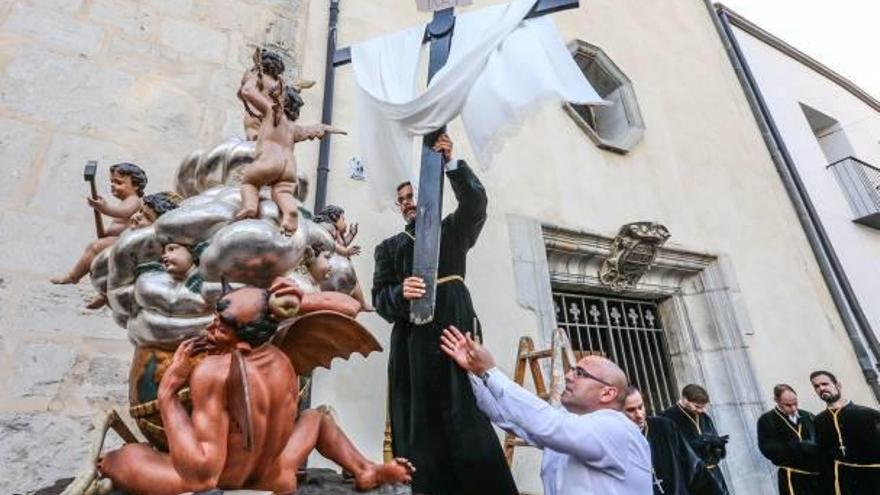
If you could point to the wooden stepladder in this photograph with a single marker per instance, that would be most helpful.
(562, 358)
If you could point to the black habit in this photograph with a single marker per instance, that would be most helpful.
(435, 422)
(851, 460)
(677, 469)
(792, 448)
(695, 431)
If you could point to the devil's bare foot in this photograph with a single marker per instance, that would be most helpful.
(97, 302)
(63, 280)
(245, 212)
(397, 471)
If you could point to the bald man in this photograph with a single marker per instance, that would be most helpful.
(590, 448)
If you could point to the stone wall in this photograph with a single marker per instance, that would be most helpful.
(145, 81)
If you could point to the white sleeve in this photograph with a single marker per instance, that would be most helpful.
(590, 438)
(451, 165)
(490, 407)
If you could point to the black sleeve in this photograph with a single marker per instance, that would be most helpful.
(387, 289)
(711, 429)
(866, 449)
(699, 480)
(779, 453)
(697, 477)
(468, 218)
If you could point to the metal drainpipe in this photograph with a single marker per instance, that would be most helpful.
(305, 399)
(327, 108)
(853, 317)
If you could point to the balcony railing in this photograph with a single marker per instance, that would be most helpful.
(861, 186)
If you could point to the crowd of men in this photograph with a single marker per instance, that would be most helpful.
(445, 390)
(836, 452)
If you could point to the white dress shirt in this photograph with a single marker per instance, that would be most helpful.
(600, 453)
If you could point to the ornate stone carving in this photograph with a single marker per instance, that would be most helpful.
(632, 252)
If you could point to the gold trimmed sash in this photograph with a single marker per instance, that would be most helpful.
(789, 471)
(450, 278)
(837, 465)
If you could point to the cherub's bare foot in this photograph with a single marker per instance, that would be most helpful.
(288, 224)
(398, 470)
(246, 212)
(63, 280)
(97, 302)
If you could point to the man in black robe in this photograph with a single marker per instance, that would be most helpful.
(435, 422)
(849, 440)
(787, 437)
(677, 469)
(698, 430)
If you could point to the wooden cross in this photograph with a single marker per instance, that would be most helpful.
(430, 201)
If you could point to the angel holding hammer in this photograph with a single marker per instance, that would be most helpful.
(127, 183)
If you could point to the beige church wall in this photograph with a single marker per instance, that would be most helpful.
(702, 170)
(111, 80)
(785, 84)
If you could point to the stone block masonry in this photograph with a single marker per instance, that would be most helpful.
(147, 81)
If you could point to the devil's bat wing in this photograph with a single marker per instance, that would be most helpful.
(316, 338)
(238, 398)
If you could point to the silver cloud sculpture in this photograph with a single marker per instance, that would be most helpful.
(157, 309)
(252, 252)
(168, 311)
(342, 277)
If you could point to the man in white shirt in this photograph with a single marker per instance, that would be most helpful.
(591, 448)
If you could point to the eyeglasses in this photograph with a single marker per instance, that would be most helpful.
(582, 373)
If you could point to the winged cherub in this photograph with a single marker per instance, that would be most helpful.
(267, 100)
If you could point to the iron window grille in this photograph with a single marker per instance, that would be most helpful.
(627, 331)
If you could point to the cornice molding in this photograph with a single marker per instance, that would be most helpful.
(574, 258)
(780, 45)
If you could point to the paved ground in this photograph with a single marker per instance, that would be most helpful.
(317, 482)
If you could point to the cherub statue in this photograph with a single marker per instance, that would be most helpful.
(333, 217)
(243, 430)
(127, 183)
(343, 233)
(151, 208)
(171, 303)
(302, 133)
(276, 106)
(314, 268)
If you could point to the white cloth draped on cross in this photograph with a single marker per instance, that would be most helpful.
(499, 66)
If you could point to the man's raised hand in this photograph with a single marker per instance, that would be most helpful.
(443, 145)
(413, 288)
(465, 351)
